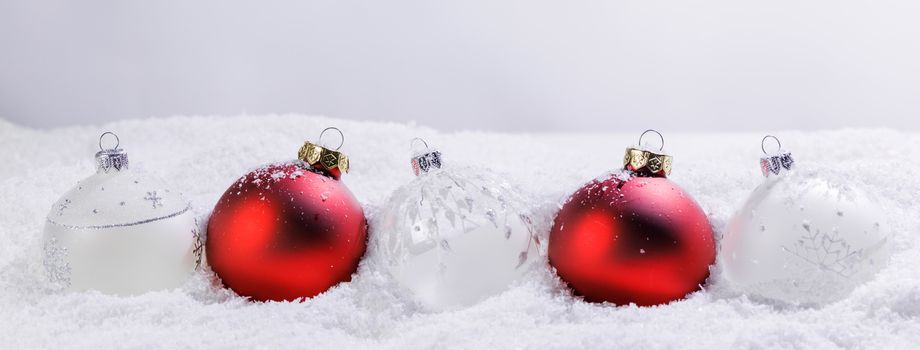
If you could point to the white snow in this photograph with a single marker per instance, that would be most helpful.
(202, 156)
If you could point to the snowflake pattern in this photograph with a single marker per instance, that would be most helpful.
(154, 199)
(826, 250)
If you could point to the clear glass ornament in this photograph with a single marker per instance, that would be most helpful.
(121, 231)
(801, 239)
(454, 236)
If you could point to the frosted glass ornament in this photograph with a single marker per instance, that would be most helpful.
(454, 236)
(801, 239)
(121, 232)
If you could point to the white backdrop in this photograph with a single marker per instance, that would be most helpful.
(475, 64)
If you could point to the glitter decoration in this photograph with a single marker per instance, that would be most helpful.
(56, 265)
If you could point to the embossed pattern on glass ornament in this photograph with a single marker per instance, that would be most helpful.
(437, 219)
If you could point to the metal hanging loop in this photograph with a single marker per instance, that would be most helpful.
(661, 147)
(341, 134)
(779, 145)
(417, 139)
(117, 141)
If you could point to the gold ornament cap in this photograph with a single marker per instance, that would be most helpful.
(330, 161)
(646, 162)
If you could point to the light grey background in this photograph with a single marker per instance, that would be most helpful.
(475, 64)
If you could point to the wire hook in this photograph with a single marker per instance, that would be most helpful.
(341, 134)
(779, 145)
(117, 141)
(654, 131)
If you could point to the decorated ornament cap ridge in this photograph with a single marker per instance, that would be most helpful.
(424, 161)
(329, 160)
(778, 161)
(640, 159)
(109, 159)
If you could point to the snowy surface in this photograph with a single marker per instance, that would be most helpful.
(203, 155)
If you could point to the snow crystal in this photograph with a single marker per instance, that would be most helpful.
(371, 311)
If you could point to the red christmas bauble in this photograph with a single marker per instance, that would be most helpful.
(284, 232)
(639, 240)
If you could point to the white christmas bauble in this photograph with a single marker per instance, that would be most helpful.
(455, 237)
(800, 239)
(121, 232)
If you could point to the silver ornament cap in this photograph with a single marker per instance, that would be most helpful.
(425, 161)
(112, 159)
(774, 164)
